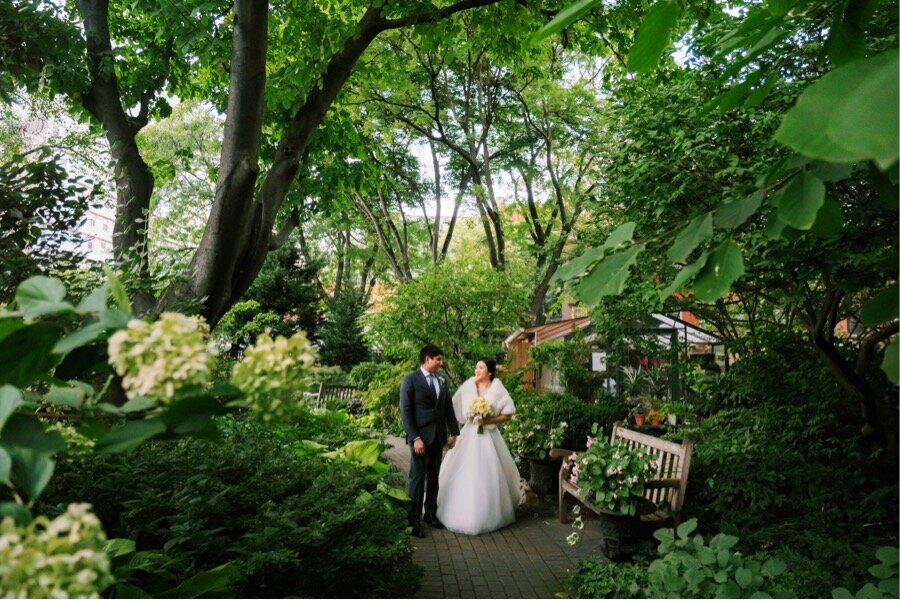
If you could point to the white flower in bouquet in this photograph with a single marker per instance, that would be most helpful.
(479, 409)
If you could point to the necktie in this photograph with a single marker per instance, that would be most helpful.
(433, 382)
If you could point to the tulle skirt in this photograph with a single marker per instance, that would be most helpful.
(480, 485)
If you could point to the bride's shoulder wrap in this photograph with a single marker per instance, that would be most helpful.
(497, 396)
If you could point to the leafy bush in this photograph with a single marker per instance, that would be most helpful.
(781, 441)
(289, 525)
(885, 571)
(382, 398)
(688, 567)
(544, 420)
(600, 578)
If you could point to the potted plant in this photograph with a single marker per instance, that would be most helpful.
(613, 477)
(544, 421)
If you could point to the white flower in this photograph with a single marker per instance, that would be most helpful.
(158, 359)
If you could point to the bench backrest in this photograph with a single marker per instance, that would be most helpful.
(674, 464)
(330, 391)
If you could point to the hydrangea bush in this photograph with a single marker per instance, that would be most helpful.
(612, 475)
(62, 558)
(157, 360)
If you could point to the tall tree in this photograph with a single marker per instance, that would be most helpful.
(137, 53)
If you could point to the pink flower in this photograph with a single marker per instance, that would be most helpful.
(590, 441)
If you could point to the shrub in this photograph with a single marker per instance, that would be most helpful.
(290, 526)
(688, 567)
(599, 578)
(549, 419)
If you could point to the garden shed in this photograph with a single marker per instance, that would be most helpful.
(679, 330)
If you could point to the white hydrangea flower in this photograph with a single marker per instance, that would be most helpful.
(158, 359)
(62, 558)
(272, 374)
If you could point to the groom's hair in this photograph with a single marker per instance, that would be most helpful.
(491, 365)
(429, 351)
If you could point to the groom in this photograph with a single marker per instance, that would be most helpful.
(427, 412)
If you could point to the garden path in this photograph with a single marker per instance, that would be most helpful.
(528, 559)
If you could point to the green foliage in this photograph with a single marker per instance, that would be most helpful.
(341, 331)
(243, 323)
(552, 420)
(571, 360)
(885, 571)
(612, 475)
(40, 206)
(452, 305)
(689, 567)
(288, 525)
(600, 578)
(822, 500)
(381, 399)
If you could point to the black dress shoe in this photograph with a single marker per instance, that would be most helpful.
(417, 530)
(434, 521)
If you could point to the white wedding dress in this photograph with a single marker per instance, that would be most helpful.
(480, 485)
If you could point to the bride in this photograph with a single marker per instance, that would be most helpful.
(479, 482)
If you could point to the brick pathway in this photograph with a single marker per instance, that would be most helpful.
(528, 559)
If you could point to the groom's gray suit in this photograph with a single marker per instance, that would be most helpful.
(427, 416)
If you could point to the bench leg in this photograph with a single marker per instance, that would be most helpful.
(563, 506)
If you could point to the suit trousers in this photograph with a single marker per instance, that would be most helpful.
(424, 470)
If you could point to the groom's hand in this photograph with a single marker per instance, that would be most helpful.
(451, 441)
(419, 446)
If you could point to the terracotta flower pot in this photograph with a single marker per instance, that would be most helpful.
(639, 419)
(654, 420)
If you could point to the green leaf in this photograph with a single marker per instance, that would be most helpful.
(189, 414)
(622, 235)
(26, 354)
(119, 547)
(773, 567)
(608, 276)
(684, 275)
(891, 363)
(31, 470)
(5, 466)
(889, 555)
(848, 115)
(20, 514)
(686, 528)
(214, 583)
(697, 231)
(883, 307)
(26, 431)
(138, 404)
(95, 302)
(10, 400)
(846, 42)
(10, 325)
(130, 435)
(118, 292)
(362, 452)
(831, 171)
(579, 264)
(756, 97)
(724, 266)
(563, 19)
(71, 396)
(829, 220)
(38, 296)
(78, 338)
(733, 214)
(800, 200)
(779, 8)
(653, 36)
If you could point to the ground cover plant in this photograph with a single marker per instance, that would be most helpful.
(286, 525)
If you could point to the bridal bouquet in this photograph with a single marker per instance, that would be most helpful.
(478, 410)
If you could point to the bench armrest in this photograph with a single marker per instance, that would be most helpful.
(560, 453)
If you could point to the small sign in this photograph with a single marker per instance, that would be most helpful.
(598, 361)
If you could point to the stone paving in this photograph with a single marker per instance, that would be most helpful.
(528, 559)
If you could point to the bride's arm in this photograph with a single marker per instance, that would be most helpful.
(496, 419)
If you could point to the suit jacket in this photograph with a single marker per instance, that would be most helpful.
(423, 413)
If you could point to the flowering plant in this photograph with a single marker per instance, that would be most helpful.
(612, 476)
(478, 410)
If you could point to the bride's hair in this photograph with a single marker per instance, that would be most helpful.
(491, 365)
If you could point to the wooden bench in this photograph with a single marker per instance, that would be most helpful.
(331, 391)
(665, 490)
